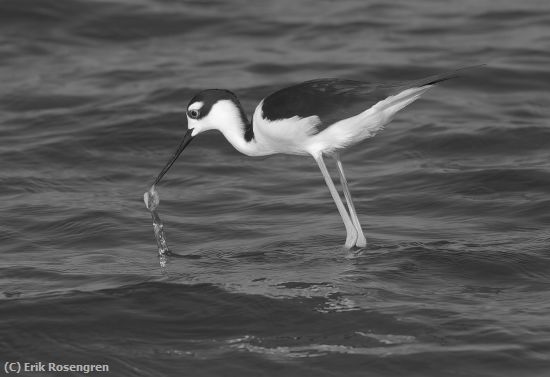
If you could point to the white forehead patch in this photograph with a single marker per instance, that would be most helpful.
(196, 106)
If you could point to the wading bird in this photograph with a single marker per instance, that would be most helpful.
(318, 117)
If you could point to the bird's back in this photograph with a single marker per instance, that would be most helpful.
(337, 108)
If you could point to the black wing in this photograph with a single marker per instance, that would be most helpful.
(335, 99)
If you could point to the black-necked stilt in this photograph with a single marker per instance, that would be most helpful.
(318, 117)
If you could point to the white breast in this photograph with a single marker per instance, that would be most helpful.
(291, 136)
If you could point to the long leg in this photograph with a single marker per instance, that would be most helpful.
(351, 237)
(361, 240)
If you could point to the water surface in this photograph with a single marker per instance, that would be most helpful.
(453, 194)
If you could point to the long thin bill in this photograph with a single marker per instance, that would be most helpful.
(186, 140)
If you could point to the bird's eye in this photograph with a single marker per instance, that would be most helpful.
(193, 113)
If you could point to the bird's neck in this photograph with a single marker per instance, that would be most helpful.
(240, 133)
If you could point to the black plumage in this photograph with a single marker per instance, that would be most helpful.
(336, 99)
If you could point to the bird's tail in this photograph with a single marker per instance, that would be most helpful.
(372, 120)
(436, 79)
(412, 90)
(393, 104)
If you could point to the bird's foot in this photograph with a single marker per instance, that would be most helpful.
(355, 245)
(351, 238)
(361, 241)
(354, 253)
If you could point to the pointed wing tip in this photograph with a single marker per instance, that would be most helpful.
(450, 75)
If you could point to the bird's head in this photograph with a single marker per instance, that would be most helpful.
(212, 109)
